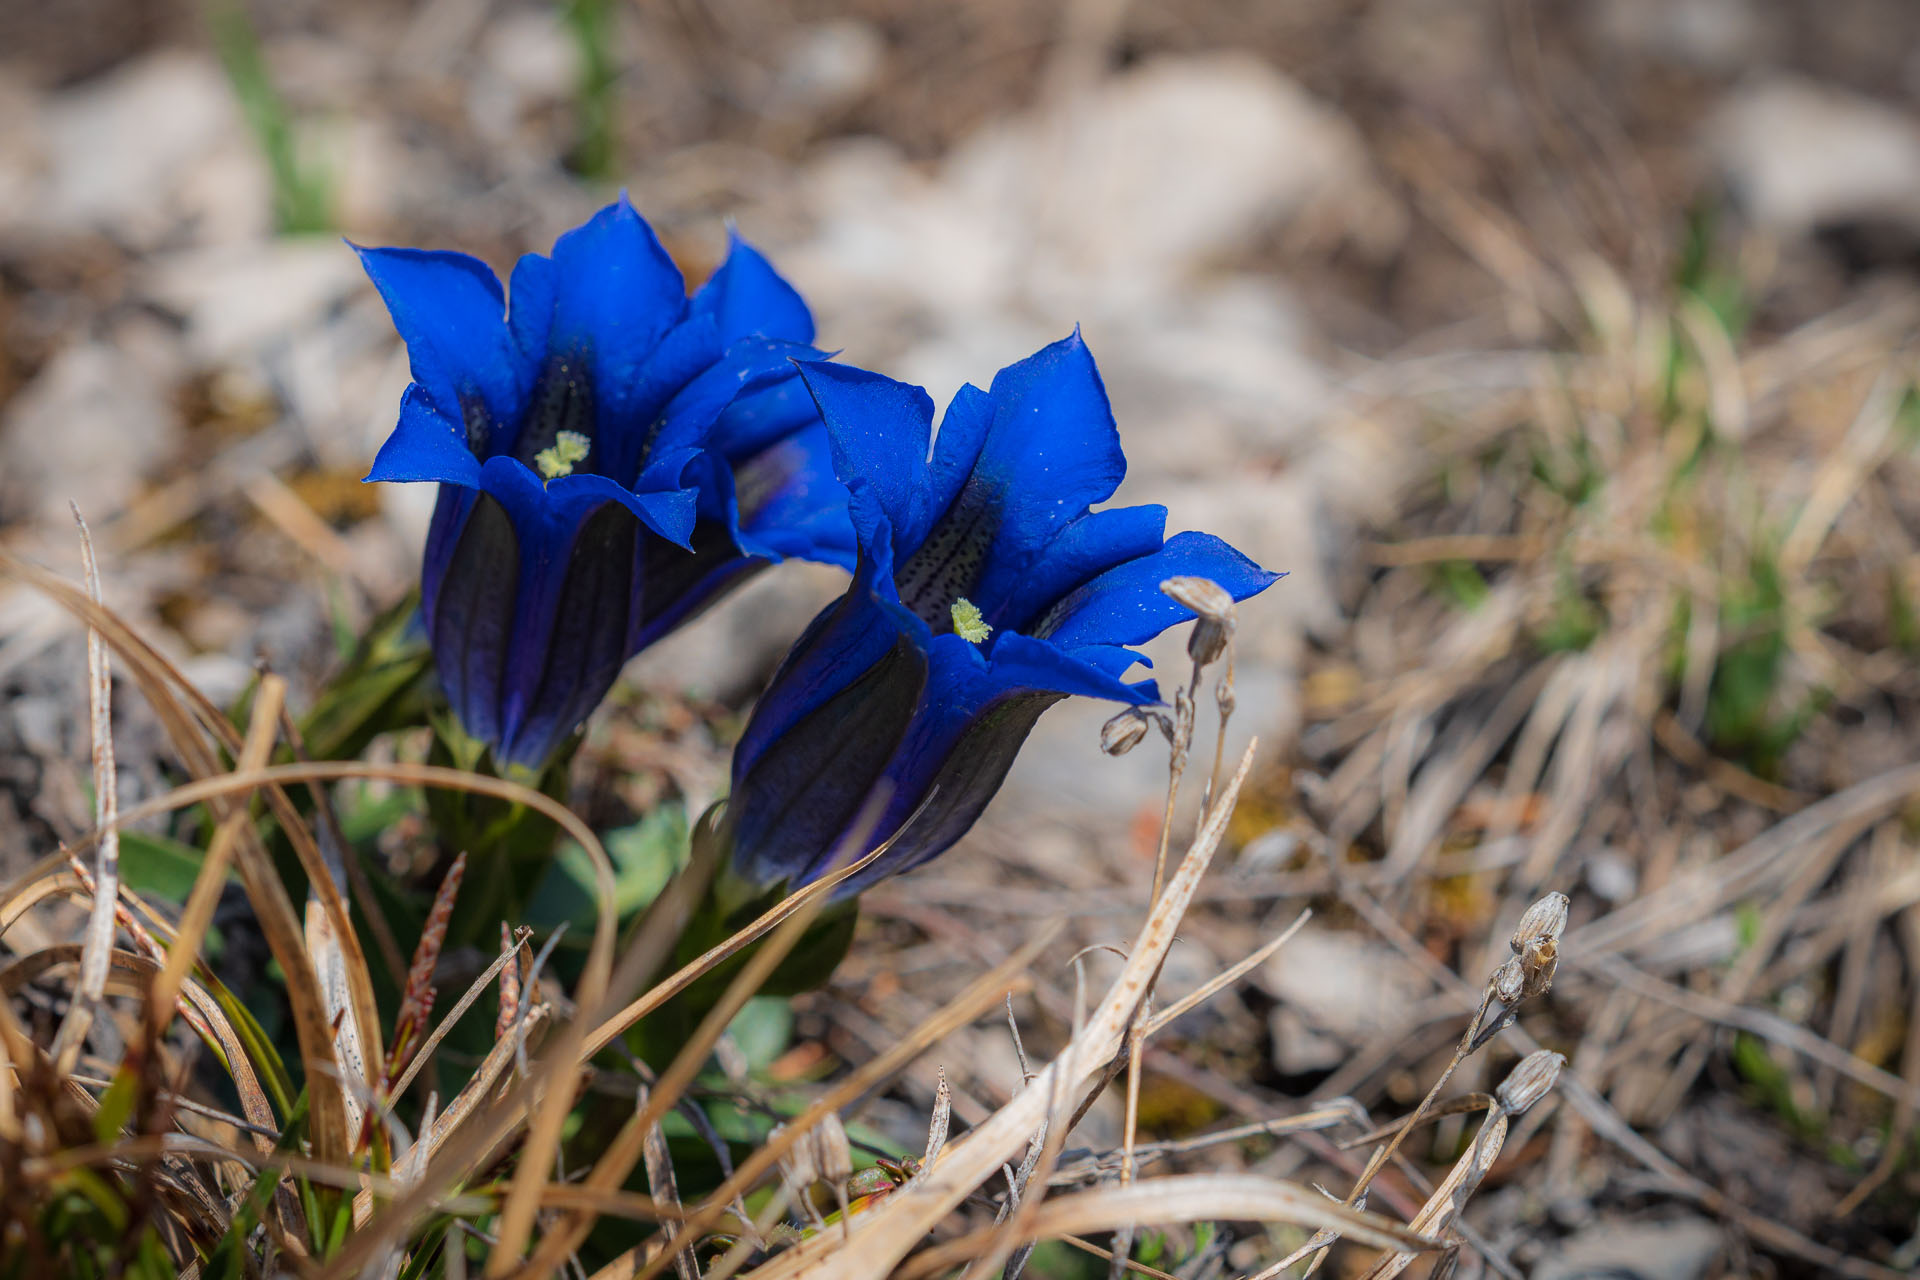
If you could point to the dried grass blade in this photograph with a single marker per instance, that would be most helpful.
(212, 877)
(1198, 1197)
(665, 1187)
(350, 1049)
(1220, 982)
(365, 1246)
(446, 1024)
(326, 1091)
(1450, 1197)
(106, 804)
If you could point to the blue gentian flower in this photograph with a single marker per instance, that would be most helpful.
(985, 592)
(611, 453)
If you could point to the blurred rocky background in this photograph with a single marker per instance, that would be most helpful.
(1342, 262)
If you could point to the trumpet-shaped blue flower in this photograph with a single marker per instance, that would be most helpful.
(986, 590)
(611, 453)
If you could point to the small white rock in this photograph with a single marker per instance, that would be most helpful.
(85, 430)
(1799, 154)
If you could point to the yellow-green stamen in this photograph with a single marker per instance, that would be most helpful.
(568, 448)
(967, 622)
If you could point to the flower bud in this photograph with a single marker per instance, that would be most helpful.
(1529, 1082)
(1214, 611)
(1123, 732)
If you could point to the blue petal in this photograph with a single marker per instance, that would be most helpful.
(572, 628)
(786, 502)
(804, 797)
(1125, 605)
(450, 312)
(969, 726)
(747, 297)
(425, 445)
(450, 512)
(752, 364)
(1052, 452)
(531, 293)
(763, 413)
(1021, 662)
(470, 609)
(554, 509)
(530, 629)
(880, 431)
(824, 731)
(683, 359)
(843, 640)
(1085, 549)
(949, 797)
(672, 585)
(616, 294)
(963, 432)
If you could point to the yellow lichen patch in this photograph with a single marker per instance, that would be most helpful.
(558, 459)
(967, 622)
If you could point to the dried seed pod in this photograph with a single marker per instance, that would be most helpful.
(1509, 982)
(1180, 735)
(1529, 1082)
(1214, 609)
(1544, 920)
(1123, 733)
(1538, 963)
(834, 1153)
(821, 1154)
(799, 1165)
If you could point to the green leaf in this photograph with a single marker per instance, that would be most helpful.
(762, 1029)
(645, 856)
(160, 866)
(116, 1107)
(267, 1063)
(1461, 582)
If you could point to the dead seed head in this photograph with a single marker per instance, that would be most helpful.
(1536, 945)
(1529, 1082)
(1123, 733)
(1541, 959)
(822, 1154)
(1214, 609)
(1545, 919)
(836, 1156)
(1182, 715)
